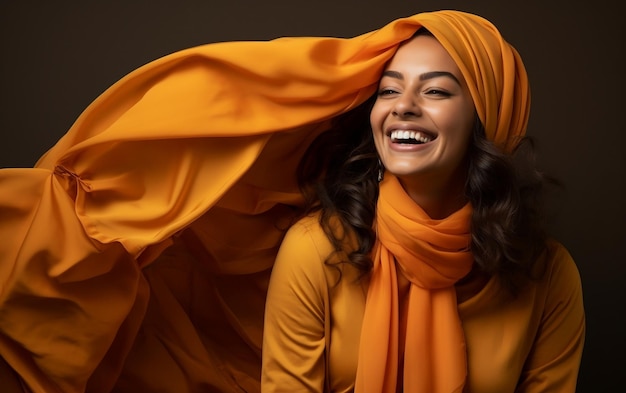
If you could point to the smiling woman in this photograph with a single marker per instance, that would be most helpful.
(440, 278)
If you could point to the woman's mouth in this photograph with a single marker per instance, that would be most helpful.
(410, 137)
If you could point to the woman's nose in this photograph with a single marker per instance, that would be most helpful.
(406, 105)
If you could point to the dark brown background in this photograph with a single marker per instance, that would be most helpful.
(57, 57)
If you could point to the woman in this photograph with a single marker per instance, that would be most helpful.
(448, 283)
(135, 256)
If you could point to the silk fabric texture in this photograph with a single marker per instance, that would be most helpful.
(216, 126)
(433, 255)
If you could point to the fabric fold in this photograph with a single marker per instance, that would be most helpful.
(434, 355)
(203, 128)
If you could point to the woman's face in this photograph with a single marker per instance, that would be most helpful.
(423, 116)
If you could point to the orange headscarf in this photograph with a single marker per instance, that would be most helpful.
(493, 71)
(434, 254)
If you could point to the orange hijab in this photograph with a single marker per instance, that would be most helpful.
(434, 254)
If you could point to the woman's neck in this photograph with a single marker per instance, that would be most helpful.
(437, 197)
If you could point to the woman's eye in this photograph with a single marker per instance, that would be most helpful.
(438, 92)
(386, 92)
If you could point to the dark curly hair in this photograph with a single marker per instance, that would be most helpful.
(338, 176)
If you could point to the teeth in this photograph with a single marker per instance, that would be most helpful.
(406, 135)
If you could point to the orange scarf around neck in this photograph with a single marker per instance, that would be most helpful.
(433, 255)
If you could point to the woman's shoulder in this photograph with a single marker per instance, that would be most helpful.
(307, 223)
(555, 279)
(304, 248)
(561, 282)
(560, 265)
(307, 242)
(308, 229)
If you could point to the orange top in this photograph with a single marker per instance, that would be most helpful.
(313, 328)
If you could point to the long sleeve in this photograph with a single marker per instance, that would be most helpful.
(294, 334)
(553, 363)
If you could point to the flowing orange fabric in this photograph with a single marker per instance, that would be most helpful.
(433, 255)
(202, 142)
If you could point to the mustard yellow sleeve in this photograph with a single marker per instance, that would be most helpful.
(297, 299)
(554, 361)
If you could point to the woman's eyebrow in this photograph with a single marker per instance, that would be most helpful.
(424, 76)
(437, 74)
(393, 74)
